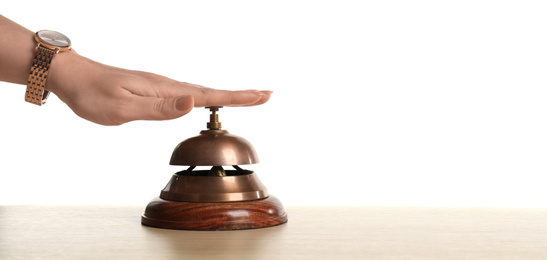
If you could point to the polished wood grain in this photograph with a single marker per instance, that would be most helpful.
(115, 232)
(214, 215)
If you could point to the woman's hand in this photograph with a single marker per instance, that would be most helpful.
(112, 96)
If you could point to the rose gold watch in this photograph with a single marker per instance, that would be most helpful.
(48, 44)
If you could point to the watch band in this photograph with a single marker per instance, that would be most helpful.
(36, 92)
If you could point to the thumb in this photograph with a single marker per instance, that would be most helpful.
(184, 103)
(151, 108)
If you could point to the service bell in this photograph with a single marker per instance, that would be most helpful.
(217, 198)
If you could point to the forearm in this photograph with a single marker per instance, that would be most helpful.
(16, 51)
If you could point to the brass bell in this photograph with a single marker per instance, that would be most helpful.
(215, 198)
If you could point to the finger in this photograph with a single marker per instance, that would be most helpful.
(152, 108)
(204, 97)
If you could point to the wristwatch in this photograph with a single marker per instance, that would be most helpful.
(48, 44)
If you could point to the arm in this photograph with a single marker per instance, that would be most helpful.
(108, 95)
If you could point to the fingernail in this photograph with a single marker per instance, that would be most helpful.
(257, 92)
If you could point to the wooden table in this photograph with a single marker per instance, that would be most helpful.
(97, 232)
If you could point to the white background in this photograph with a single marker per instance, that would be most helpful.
(376, 103)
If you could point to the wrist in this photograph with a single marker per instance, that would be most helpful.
(62, 62)
(70, 72)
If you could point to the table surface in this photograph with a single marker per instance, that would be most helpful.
(111, 232)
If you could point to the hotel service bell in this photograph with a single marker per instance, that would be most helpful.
(224, 196)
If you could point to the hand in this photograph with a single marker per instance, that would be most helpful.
(112, 96)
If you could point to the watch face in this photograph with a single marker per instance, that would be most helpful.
(54, 38)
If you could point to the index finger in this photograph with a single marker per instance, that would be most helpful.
(204, 97)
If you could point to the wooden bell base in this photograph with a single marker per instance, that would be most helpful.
(214, 215)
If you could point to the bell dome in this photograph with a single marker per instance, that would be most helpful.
(214, 148)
